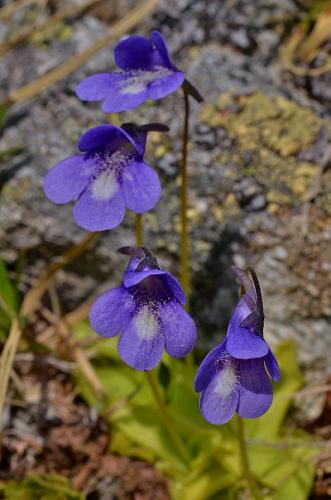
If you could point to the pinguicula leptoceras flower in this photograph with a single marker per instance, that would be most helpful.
(147, 72)
(235, 376)
(146, 309)
(107, 175)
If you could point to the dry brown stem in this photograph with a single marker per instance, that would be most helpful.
(30, 303)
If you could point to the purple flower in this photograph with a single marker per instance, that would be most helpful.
(235, 376)
(107, 175)
(146, 309)
(147, 72)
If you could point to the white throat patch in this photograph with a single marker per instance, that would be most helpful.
(139, 79)
(147, 324)
(104, 186)
(227, 380)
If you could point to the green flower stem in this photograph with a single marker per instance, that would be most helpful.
(150, 376)
(168, 421)
(246, 472)
(139, 226)
(184, 235)
(184, 238)
(167, 418)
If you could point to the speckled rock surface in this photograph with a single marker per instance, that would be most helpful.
(255, 152)
(268, 159)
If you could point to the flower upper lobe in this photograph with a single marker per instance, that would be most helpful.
(147, 72)
(108, 175)
(243, 342)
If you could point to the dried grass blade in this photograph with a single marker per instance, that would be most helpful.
(318, 36)
(21, 37)
(9, 10)
(127, 23)
(29, 305)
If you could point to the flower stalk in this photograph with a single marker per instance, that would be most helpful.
(150, 376)
(167, 418)
(184, 236)
(246, 471)
(139, 228)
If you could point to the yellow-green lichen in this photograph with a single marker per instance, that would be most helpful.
(272, 131)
